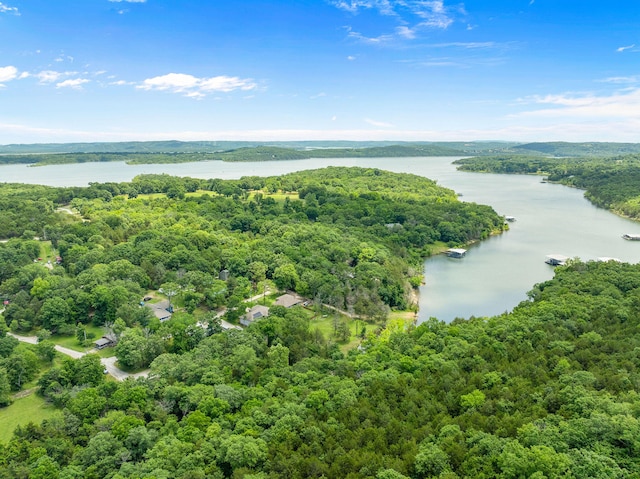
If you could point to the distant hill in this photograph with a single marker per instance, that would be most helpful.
(258, 153)
(564, 149)
(154, 152)
(225, 146)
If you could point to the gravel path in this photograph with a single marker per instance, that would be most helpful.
(108, 363)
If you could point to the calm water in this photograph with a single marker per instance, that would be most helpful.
(493, 277)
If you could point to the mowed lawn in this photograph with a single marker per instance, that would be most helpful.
(31, 408)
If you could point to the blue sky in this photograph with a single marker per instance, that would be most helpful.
(521, 70)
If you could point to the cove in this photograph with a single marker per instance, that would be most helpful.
(492, 278)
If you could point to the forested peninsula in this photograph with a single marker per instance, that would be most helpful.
(612, 182)
(549, 390)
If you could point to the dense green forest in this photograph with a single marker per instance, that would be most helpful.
(587, 149)
(352, 239)
(611, 183)
(550, 390)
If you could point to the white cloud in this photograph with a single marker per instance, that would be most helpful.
(351, 58)
(48, 76)
(385, 7)
(406, 32)
(128, 1)
(379, 124)
(75, 83)
(435, 14)
(380, 40)
(412, 17)
(62, 58)
(620, 105)
(468, 45)
(195, 87)
(8, 73)
(7, 9)
(628, 47)
(623, 80)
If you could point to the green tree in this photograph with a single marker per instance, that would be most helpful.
(431, 461)
(244, 451)
(285, 276)
(21, 367)
(130, 349)
(55, 313)
(46, 350)
(5, 388)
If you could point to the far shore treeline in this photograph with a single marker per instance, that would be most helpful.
(158, 152)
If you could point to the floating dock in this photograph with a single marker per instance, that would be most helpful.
(456, 252)
(631, 237)
(556, 259)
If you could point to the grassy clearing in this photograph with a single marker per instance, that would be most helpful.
(46, 251)
(105, 352)
(153, 196)
(408, 317)
(278, 197)
(72, 342)
(31, 408)
(325, 323)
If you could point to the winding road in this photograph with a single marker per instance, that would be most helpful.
(109, 364)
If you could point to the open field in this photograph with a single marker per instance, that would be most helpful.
(30, 408)
(71, 342)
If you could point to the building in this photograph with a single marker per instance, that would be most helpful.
(287, 300)
(456, 252)
(224, 275)
(103, 342)
(254, 314)
(162, 309)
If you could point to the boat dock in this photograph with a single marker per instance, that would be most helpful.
(556, 259)
(456, 252)
(631, 237)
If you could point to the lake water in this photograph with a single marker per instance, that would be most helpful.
(494, 276)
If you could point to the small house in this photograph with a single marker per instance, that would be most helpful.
(103, 342)
(224, 275)
(161, 310)
(254, 314)
(287, 300)
(456, 252)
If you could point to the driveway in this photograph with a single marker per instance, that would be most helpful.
(108, 363)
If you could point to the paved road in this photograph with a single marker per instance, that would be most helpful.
(108, 363)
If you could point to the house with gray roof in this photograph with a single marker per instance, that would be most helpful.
(257, 312)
